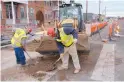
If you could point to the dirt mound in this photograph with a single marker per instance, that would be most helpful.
(41, 64)
(31, 46)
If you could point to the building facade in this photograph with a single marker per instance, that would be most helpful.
(15, 12)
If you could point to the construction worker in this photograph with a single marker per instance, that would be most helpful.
(66, 42)
(117, 29)
(18, 42)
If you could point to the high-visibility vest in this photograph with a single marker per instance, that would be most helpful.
(67, 40)
(16, 39)
(117, 28)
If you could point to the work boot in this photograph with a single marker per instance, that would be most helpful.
(18, 63)
(62, 68)
(24, 65)
(76, 71)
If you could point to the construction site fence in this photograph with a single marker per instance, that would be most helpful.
(96, 27)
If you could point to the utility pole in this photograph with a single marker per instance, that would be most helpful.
(86, 9)
(99, 9)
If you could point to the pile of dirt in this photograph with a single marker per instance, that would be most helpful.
(48, 44)
(40, 64)
(31, 46)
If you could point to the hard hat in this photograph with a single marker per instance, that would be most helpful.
(29, 30)
(51, 32)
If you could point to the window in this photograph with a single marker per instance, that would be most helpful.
(45, 3)
(69, 12)
(46, 16)
(50, 3)
(22, 12)
(9, 11)
(31, 13)
(49, 15)
(15, 9)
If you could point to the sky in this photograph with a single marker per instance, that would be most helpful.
(113, 7)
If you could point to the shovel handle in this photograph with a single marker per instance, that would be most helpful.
(28, 55)
(57, 60)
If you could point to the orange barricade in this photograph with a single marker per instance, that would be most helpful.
(110, 32)
(99, 26)
(102, 24)
(93, 28)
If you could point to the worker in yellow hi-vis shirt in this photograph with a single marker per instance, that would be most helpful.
(18, 42)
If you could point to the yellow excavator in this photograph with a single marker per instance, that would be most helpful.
(69, 14)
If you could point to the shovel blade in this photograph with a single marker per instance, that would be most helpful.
(53, 68)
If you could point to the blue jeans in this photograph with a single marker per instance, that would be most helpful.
(20, 57)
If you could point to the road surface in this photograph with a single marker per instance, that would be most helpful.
(105, 62)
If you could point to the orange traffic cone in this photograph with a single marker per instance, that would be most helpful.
(110, 32)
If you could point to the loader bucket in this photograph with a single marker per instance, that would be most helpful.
(48, 45)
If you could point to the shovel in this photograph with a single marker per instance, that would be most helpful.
(54, 65)
(30, 58)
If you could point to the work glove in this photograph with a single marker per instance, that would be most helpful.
(23, 48)
(32, 34)
(75, 41)
(61, 55)
(58, 40)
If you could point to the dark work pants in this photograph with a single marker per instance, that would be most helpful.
(20, 57)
